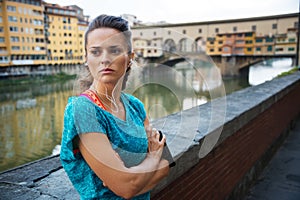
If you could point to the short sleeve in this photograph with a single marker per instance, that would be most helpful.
(79, 117)
(87, 116)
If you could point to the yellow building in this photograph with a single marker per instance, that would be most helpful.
(211, 48)
(35, 36)
(64, 34)
(219, 43)
(249, 43)
(22, 41)
(264, 45)
(228, 44)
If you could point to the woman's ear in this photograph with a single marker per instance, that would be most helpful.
(131, 56)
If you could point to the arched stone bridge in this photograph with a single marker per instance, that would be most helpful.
(228, 65)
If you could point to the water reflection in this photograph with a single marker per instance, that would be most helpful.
(166, 90)
(268, 70)
(31, 122)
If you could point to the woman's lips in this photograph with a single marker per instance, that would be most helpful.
(107, 70)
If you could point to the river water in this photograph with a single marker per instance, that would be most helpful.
(31, 116)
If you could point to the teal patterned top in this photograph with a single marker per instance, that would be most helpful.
(128, 138)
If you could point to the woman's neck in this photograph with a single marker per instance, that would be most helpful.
(109, 95)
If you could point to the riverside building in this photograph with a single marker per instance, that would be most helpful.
(39, 37)
(22, 40)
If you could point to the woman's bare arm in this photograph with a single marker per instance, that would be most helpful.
(162, 172)
(126, 182)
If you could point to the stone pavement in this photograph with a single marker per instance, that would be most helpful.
(280, 180)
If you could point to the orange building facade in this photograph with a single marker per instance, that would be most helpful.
(35, 34)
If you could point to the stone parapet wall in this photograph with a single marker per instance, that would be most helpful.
(257, 121)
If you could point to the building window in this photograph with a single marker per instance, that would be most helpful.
(154, 33)
(291, 49)
(199, 30)
(2, 39)
(13, 29)
(0, 19)
(15, 48)
(268, 39)
(259, 40)
(14, 39)
(253, 28)
(274, 26)
(292, 39)
(226, 49)
(249, 49)
(258, 48)
(296, 25)
(217, 30)
(234, 29)
(3, 59)
(12, 19)
(183, 31)
(2, 49)
(11, 8)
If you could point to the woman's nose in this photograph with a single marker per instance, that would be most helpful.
(105, 58)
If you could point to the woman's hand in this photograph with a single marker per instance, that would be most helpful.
(155, 146)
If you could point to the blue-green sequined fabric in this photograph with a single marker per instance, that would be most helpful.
(128, 139)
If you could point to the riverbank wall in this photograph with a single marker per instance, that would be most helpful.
(215, 162)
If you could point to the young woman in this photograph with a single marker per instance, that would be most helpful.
(108, 150)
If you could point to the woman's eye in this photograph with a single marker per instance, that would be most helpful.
(95, 52)
(116, 51)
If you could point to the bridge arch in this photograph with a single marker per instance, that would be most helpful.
(199, 45)
(169, 46)
(185, 45)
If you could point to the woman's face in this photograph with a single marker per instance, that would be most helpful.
(107, 55)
